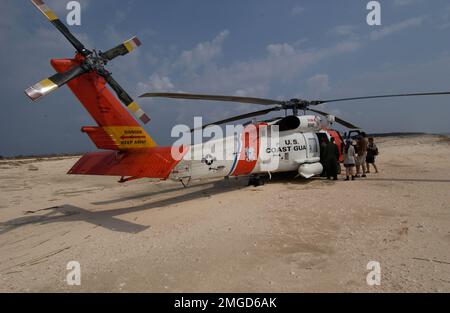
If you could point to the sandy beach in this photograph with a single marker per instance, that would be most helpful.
(291, 235)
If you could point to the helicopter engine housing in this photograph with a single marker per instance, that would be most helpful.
(302, 123)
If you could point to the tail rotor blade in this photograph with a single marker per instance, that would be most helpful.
(122, 49)
(41, 89)
(127, 100)
(49, 85)
(51, 16)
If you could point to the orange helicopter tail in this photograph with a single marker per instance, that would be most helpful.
(133, 153)
(117, 129)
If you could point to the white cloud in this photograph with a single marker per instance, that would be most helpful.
(282, 64)
(398, 27)
(318, 85)
(189, 64)
(278, 50)
(156, 83)
(343, 30)
(251, 91)
(297, 10)
(203, 53)
(114, 36)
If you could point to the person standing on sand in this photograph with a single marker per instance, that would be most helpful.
(372, 152)
(349, 160)
(361, 150)
(323, 147)
(331, 159)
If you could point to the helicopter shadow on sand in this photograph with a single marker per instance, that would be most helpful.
(108, 218)
(219, 186)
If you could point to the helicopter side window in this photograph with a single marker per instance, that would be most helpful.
(313, 147)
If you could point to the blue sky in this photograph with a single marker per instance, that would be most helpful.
(276, 49)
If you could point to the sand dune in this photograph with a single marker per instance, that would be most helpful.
(222, 236)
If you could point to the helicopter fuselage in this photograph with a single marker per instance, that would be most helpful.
(285, 145)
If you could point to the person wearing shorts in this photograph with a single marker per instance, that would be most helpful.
(350, 159)
(361, 151)
(372, 152)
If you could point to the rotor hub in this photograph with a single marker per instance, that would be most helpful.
(96, 62)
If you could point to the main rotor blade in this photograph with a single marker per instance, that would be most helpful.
(122, 49)
(239, 117)
(213, 98)
(127, 100)
(49, 85)
(338, 120)
(383, 96)
(60, 26)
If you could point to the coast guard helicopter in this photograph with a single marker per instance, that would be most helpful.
(130, 153)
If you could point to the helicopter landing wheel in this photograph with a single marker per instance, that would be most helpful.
(256, 181)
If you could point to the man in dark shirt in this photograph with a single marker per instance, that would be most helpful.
(331, 159)
(323, 147)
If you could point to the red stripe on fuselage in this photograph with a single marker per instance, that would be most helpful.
(249, 154)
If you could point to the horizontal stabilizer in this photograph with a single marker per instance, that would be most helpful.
(101, 138)
(153, 162)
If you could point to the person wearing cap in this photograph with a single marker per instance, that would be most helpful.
(350, 159)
